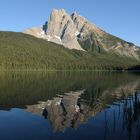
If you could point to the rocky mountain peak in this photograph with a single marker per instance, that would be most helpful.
(74, 14)
(61, 30)
(75, 32)
(60, 11)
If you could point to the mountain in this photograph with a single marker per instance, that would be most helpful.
(25, 52)
(75, 32)
(66, 42)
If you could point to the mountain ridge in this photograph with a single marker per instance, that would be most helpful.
(76, 32)
(66, 42)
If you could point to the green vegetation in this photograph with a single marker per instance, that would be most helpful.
(20, 51)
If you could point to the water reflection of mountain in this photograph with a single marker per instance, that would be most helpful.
(65, 99)
(74, 108)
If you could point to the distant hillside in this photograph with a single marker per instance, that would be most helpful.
(21, 51)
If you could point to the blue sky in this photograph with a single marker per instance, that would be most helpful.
(118, 17)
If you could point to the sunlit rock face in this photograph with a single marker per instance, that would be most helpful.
(72, 108)
(75, 32)
(59, 29)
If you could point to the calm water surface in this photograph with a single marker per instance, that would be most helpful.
(69, 106)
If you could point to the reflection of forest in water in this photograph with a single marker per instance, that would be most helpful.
(70, 99)
(18, 89)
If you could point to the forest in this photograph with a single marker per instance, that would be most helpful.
(19, 51)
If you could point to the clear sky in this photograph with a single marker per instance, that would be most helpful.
(118, 17)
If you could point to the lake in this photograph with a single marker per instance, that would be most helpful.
(69, 106)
